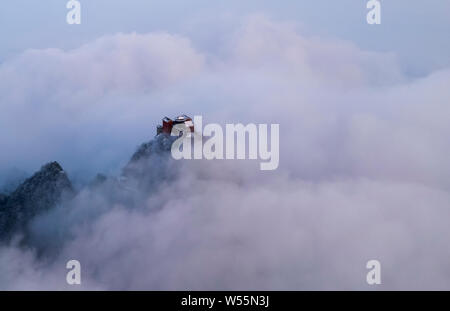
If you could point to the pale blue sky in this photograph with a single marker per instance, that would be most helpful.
(418, 31)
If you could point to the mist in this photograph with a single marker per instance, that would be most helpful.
(363, 168)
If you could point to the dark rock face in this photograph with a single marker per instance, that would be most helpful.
(149, 167)
(44, 190)
(3, 199)
(158, 146)
(151, 163)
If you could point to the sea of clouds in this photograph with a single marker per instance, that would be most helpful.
(364, 167)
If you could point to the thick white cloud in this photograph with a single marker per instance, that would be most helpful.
(363, 171)
(52, 98)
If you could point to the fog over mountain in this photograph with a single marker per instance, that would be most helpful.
(364, 168)
(39, 193)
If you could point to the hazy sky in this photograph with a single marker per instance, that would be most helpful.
(415, 30)
(415, 33)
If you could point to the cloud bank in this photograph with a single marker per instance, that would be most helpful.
(363, 170)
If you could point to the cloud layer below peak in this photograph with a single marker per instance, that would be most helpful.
(363, 172)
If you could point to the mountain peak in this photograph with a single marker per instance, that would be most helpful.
(42, 191)
(52, 166)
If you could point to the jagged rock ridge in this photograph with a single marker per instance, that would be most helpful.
(50, 186)
(39, 193)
